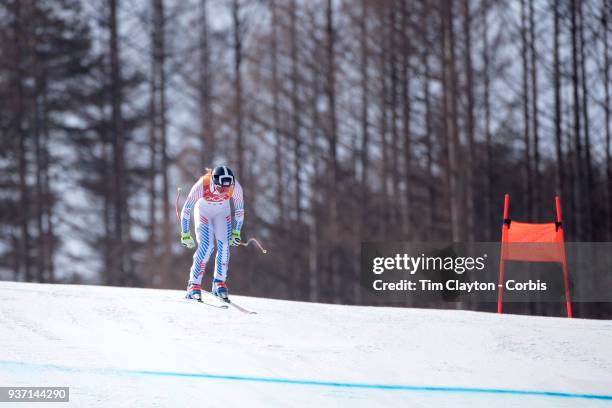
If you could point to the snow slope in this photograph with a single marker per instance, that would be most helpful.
(142, 347)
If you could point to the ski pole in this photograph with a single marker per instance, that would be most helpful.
(244, 244)
(264, 251)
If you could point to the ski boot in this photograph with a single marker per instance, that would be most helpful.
(194, 291)
(219, 289)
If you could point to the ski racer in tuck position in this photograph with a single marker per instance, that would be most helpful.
(210, 196)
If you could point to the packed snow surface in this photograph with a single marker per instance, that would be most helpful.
(125, 347)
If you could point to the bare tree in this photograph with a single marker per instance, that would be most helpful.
(605, 14)
(469, 120)
(406, 120)
(23, 255)
(383, 70)
(450, 115)
(153, 149)
(120, 271)
(425, 17)
(205, 95)
(537, 184)
(295, 110)
(587, 133)
(578, 166)
(332, 140)
(557, 88)
(526, 114)
(393, 108)
(487, 121)
(278, 137)
(237, 29)
(315, 230)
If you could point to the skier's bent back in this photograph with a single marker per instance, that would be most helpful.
(210, 196)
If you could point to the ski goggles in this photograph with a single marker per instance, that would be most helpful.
(226, 181)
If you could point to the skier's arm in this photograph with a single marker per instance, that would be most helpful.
(192, 198)
(238, 207)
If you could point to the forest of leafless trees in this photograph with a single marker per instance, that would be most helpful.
(346, 121)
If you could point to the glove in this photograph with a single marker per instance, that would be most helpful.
(235, 238)
(186, 240)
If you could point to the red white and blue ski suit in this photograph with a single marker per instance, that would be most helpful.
(213, 221)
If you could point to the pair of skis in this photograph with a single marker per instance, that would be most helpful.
(225, 303)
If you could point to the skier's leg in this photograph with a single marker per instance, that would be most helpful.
(222, 225)
(204, 236)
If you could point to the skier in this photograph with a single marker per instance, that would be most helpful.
(210, 196)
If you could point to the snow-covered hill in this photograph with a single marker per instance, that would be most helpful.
(140, 347)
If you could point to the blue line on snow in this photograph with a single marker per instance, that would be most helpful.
(336, 384)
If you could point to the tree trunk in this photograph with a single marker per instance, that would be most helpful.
(163, 125)
(314, 230)
(20, 135)
(406, 123)
(39, 198)
(238, 88)
(489, 225)
(558, 118)
(332, 135)
(295, 110)
(469, 121)
(293, 279)
(108, 196)
(37, 129)
(156, 274)
(362, 224)
(280, 185)
(431, 192)
(48, 202)
(365, 133)
(450, 114)
(526, 116)
(579, 179)
(537, 196)
(567, 140)
(205, 90)
(384, 90)
(535, 306)
(605, 10)
(589, 197)
(394, 117)
(120, 274)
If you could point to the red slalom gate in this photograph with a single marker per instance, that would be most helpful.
(531, 242)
